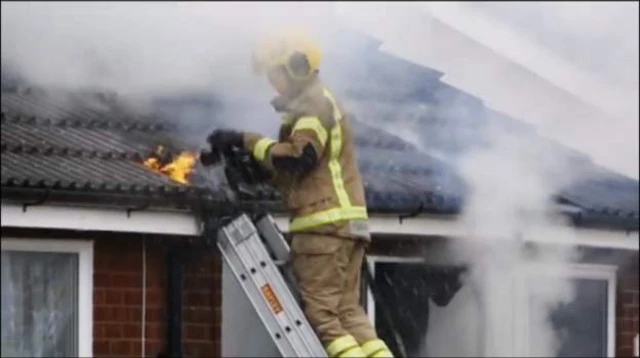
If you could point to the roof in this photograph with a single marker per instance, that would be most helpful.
(84, 147)
(97, 150)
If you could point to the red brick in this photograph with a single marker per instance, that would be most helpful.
(154, 330)
(121, 348)
(626, 325)
(113, 297)
(101, 280)
(188, 350)
(152, 348)
(127, 280)
(154, 314)
(136, 314)
(216, 298)
(154, 297)
(195, 332)
(197, 299)
(211, 333)
(629, 297)
(624, 352)
(126, 314)
(136, 348)
(625, 338)
(127, 263)
(198, 315)
(155, 275)
(99, 331)
(203, 349)
(132, 297)
(101, 348)
(101, 313)
(98, 297)
(630, 311)
(113, 330)
(189, 282)
(101, 259)
(629, 281)
(131, 330)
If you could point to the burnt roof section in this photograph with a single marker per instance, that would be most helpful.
(67, 146)
(62, 146)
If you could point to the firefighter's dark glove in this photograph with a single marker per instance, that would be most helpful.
(223, 140)
(209, 158)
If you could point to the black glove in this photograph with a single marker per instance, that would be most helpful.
(209, 158)
(222, 140)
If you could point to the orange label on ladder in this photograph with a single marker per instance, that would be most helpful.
(271, 298)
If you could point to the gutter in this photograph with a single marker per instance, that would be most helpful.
(594, 229)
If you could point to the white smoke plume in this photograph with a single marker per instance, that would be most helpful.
(142, 52)
(142, 49)
(513, 177)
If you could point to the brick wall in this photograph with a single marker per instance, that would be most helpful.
(627, 309)
(201, 304)
(118, 300)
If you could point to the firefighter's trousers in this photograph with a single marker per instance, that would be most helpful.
(327, 271)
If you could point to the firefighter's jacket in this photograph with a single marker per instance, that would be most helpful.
(314, 164)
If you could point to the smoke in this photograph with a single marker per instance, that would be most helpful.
(513, 176)
(142, 51)
(577, 84)
(189, 62)
(600, 40)
(512, 182)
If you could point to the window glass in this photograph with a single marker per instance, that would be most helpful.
(565, 318)
(415, 296)
(39, 304)
(580, 325)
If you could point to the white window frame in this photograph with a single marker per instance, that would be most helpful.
(578, 270)
(84, 249)
(606, 273)
(372, 260)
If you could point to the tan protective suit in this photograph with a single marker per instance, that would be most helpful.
(314, 164)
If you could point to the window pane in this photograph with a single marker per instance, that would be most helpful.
(580, 326)
(420, 301)
(39, 304)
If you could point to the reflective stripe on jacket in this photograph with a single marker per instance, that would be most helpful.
(314, 163)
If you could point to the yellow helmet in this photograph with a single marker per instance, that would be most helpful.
(293, 48)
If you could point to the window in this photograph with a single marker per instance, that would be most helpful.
(583, 327)
(47, 299)
(504, 321)
(411, 296)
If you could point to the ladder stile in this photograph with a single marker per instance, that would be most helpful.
(241, 271)
(270, 293)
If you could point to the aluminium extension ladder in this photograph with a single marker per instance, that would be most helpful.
(254, 254)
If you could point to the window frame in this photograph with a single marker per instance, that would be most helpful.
(372, 260)
(533, 269)
(84, 250)
(606, 273)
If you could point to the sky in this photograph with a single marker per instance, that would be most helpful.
(573, 29)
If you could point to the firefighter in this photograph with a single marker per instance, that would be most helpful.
(313, 163)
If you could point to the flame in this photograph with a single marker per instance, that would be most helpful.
(178, 168)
